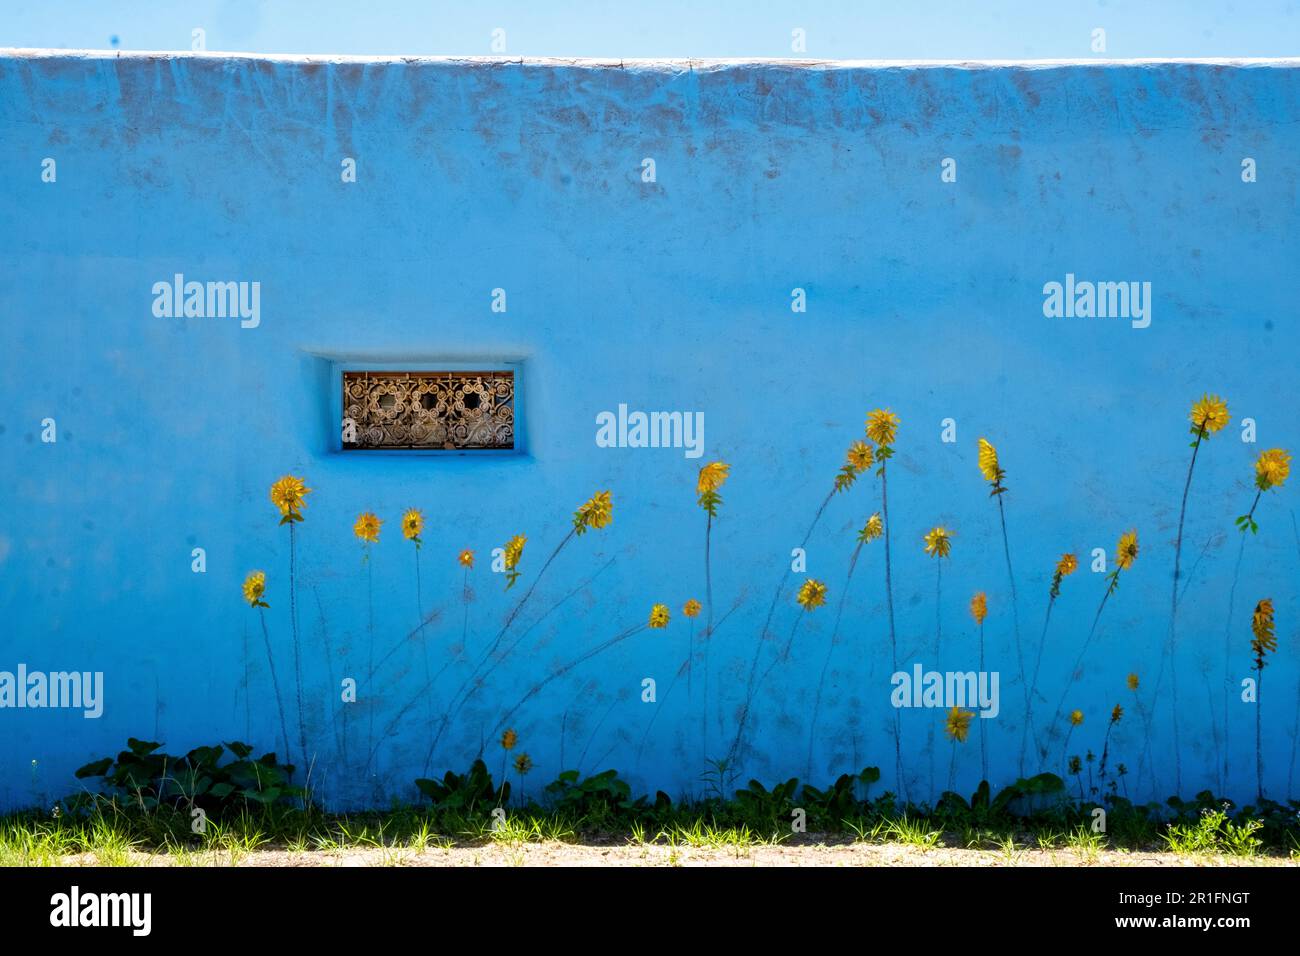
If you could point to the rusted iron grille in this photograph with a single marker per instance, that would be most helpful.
(452, 411)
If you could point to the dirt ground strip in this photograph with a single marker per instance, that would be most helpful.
(568, 854)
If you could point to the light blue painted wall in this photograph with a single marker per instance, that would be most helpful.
(473, 175)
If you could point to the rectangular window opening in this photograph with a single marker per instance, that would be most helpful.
(429, 411)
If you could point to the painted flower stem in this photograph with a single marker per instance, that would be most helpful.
(984, 749)
(707, 637)
(297, 647)
(830, 650)
(1173, 608)
(1015, 619)
(755, 682)
(893, 636)
(275, 682)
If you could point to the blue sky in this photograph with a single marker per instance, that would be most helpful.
(835, 29)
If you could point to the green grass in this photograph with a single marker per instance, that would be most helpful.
(119, 834)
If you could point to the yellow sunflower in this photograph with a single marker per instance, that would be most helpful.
(1127, 549)
(957, 724)
(466, 558)
(413, 524)
(1261, 625)
(812, 594)
(979, 607)
(1132, 682)
(1210, 414)
(659, 616)
(938, 542)
(1076, 718)
(882, 426)
(860, 456)
(988, 462)
(1272, 469)
(597, 512)
(691, 608)
(509, 739)
(255, 588)
(367, 527)
(873, 529)
(1067, 565)
(290, 495)
(712, 477)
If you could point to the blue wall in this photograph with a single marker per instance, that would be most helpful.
(923, 296)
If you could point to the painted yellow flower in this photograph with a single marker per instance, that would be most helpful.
(1210, 414)
(514, 550)
(988, 462)
(979, 607)
(509, 739)
(1261, 625)
(659, 616)
(413, 524)
(938, 542)
(1117, 714)
(812, 594)
(860, 456)
(290, 495)
(255, 588)
(1067, 565)
(882, 426)
(597, 512)
(712, 477)
(1076, 718)
(1126, 551)
(873, 529)
(1272, 469)
(367, 527)
(1132, 682)
(957, 724)
(465, 558)
(523, 764)
(691, 608)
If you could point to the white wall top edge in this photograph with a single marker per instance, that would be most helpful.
(637, 63)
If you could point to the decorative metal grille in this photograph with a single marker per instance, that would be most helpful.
(430, 410)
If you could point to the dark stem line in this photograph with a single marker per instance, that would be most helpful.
(1079, 661)
(582, 757)
(370, 668)
(275, 682)
(706, 638)
(465, 691)
(660, 705)
(340, 743)
(938, 641)
(751, 688)
(744, 714)
(297, 650)
(1227, 663)
(464, 597)
(1295, 728)
(984, 751)
(471, 688)
(556, 675)
(830, 651)
(1173, 609)
(1065, 749)
(893, 637)
(1038, 663)
(1015, 618)
(1259, 749)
